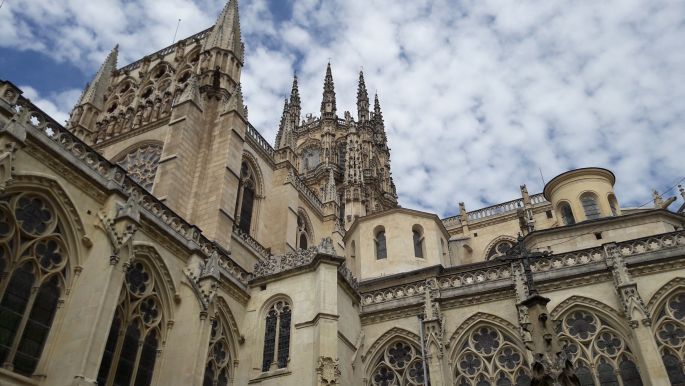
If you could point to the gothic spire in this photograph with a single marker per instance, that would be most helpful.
(95, 91)
(362, 100)
(377, 114)
(295, 108)
(226, 31)
(191, 92)
(235, 102)
(281, 127)
(331, 191)
(328, 103)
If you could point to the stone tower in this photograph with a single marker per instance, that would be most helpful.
(351, 154)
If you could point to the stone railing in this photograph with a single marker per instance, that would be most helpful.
(257, 138)
(115, 178)
(166, 50)
(494, 210)
(275, 264)
(488, 272)
(304, 190)
(252, 243)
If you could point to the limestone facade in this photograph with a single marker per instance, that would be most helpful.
(158, 239)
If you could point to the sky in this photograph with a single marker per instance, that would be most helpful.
(478, 96)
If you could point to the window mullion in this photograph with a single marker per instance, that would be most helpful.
(116, 354)
(134, 372)
(274, 358)
(22, 325)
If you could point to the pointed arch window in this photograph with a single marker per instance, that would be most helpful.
(488, 354)
(246, 198)
(135, 333)
(670, 336)
(379, 243)
(303, 231)
(590, 206)
(400, 364)
(219, 361)
(592, 343)
(141, 164)
(566, 214)
(34, 269)
(276, 354)
(417, 240)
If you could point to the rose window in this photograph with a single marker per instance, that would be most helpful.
(141, 164)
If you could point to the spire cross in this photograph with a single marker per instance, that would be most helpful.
(519, 252)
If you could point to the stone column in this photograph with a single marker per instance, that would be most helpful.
(433, 335)
(651, 366)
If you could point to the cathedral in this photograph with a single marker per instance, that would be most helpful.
(158, 239)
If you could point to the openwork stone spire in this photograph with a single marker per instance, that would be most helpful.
(328, 108)
(377, 113)
(226, 31)
(95, 91)
(295, 105)
(362, 100)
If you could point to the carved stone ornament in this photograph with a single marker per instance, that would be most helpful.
(301, 257)
(328, 371)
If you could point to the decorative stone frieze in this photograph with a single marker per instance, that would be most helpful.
(281, 263)
(328, 371)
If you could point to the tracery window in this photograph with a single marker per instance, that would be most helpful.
(342, 154)
(593, 344)
(670, 336)
(34, 270)
(488, 358)
(380, 246)
(218, 369)
(302, 231)
(136, 331)
(277, 337)
(141, 164)
(500, 249)
(566, 214)
(590, 206)
(400, 365)
(246, 197)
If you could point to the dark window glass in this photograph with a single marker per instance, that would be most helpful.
(418, 247)
(590, 206)
(503, 380)
(223, 378)
(246, 209)
(303, 241)
(342, 150)
(674, 370)
(284, 339)
(606, 375)
(146, 366)
(381, 251)
(209, 375)
(523, 380)
(566, 214)
(13, 305)
(37, 327)
(629, 373)
(269, 340)
(127, 358)
(110, 347)
(584, 376)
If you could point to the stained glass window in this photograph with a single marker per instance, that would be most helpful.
(381, 250)
(418, 243)
(276, 352)
(590, 206)
(670, 336)
(594, 344)
(136, 328)
(486, 354)
(500, 249)
(219, 359)
(400, 364)
(28, 224)
(566, 214)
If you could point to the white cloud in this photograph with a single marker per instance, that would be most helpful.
(477, 95)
